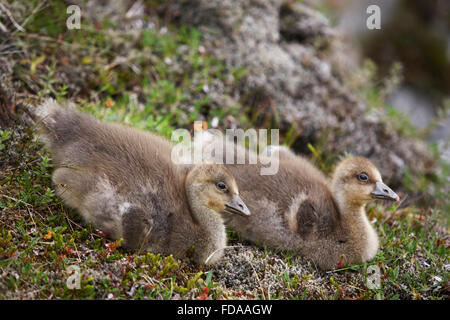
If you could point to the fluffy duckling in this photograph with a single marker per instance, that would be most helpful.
(300, 209)
(123, 180)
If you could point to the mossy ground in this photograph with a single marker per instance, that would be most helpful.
(158, 80)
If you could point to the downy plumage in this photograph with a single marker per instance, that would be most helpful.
(123, 180)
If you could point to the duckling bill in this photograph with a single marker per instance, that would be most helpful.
(123, 180)
(383, 192)
(237, 206)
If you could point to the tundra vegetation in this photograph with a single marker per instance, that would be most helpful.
(160, 77)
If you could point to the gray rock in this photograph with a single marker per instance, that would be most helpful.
(283, 47)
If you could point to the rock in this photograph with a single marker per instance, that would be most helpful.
(287, 50)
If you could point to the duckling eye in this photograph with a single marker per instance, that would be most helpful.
(221, 186)
(363, 177)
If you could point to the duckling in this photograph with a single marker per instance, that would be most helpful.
(123, 180)
(301, 210)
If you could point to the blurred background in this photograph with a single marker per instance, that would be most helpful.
(414, 35)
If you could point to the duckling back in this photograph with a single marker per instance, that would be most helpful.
(119, 178)
(78, 138)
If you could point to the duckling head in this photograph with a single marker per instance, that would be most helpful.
(357, 181)
(213, 187)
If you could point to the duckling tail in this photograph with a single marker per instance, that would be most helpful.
(59, 125)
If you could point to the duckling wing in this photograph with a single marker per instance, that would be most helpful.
(137, 227)
(306, 219)
(316, 218)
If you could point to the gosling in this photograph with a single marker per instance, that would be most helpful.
(301, 210)
(123, 180)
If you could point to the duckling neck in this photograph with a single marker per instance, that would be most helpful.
(357, 226)
(350, 210)
(214, 238)
(208, 219)
(211, 236)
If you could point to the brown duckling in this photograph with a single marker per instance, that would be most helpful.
(123, 180)
(300, 209)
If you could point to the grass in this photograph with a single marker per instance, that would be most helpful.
(40, 238)
(160, 81)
